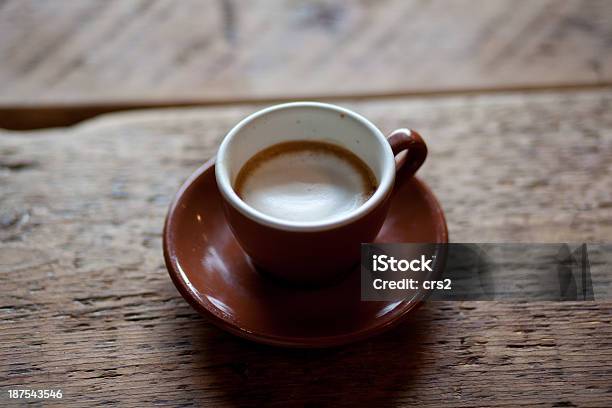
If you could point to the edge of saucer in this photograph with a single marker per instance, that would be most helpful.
(207, 310)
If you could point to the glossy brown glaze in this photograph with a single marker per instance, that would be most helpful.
(216, 277)
(316, 258)
(410, 142)
(322, 256)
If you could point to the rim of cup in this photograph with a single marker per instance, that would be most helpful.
(384, 186)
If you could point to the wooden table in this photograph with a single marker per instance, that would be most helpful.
(521, 152)
(63, 61)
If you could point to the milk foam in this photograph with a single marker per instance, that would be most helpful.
(305, 185)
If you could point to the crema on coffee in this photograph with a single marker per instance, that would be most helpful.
(306, 181)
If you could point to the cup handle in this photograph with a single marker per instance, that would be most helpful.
(416, 151)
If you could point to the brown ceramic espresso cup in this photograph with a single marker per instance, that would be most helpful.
(312, 252)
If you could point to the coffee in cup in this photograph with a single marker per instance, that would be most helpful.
(305, 181)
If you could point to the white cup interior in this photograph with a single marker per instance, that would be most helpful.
(304, 121)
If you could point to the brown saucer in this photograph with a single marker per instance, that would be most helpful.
(217, 279)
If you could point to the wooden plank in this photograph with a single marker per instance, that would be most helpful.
(58, 115)
(86, 304)
(92, 51)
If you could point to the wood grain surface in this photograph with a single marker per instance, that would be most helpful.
(93, 51)
(86, 304)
